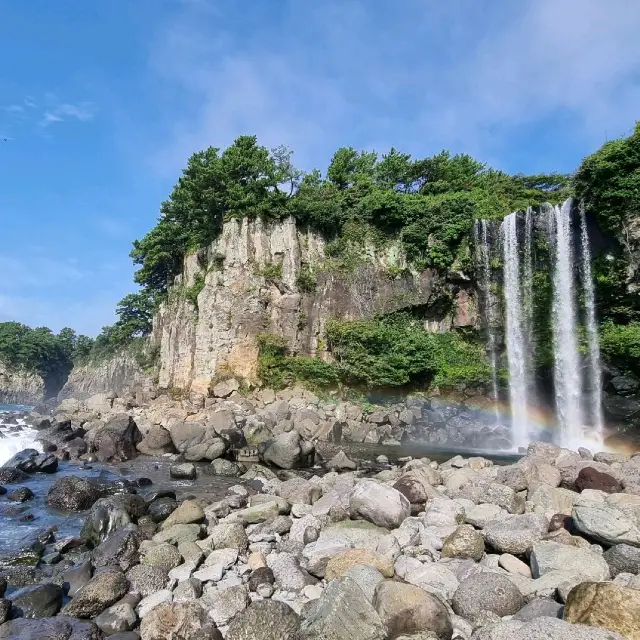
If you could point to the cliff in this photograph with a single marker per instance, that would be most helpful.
(277, 278)
(20, 387)
(119, 373)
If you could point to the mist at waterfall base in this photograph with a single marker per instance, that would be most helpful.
(506, 256)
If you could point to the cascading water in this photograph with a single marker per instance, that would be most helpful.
(516, 354)
(594, 377)
(577, 392)
(483, 246)
(567, 378)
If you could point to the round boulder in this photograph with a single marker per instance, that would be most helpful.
(264, 620)
(464, 542)
(71, 493)
(486, 592)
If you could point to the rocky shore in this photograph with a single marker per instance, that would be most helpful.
(297, 547)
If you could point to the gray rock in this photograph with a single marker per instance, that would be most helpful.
(228, 536)
(404, 608)
(342, 613)
(493, 493)
(289, 451)
(299, 491)
(540, 607)
(162, 508)
(196, 441)
(186, 471)
(367, 578)
(380, 504)
(103, 590)
(606, 525)
(222, 467)
(482, 514)
(341, 461)
(189, 512)
(435, 578)
(119, 549)
(179, 533)
(156, 442)
(486, 592)
(187, 590)
(178, 620)
(39, 601)
(542, 629)
(516, 534)
(442, 512)
(117, 619)
(464, 542)
(117, 440)
(148, 604)
(224, 604)
(265, 620)
(145, 579)
(623, 558)
(76, 577)
(549, 556)
(163, 555)
(289, 576)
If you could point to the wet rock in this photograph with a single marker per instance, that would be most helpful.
(265, 620)
(106, 515)
(589, 478)
(404, 608)
(77, 577)
(464, 542)
(261, 575)
(119, 549)
(623, 558)
(289, 451)
(178, 620)
(117, 440)
(103, 590)
(5, 608)
(379, 504)
(39, 601)
(516, 534)
(12, 476)
(342, 613)
(21, 494)
(486, 592)
(606, 605)
(162, 508)
(58, 628)
(185, 471)
(71, 493)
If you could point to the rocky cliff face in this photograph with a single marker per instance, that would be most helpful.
(253, 283)
(118, 374)
(20, 387)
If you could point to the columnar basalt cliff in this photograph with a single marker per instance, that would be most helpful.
(252, 285)
(20, 387)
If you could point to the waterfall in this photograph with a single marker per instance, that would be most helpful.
(568, 382)
(483, 248)
(527, 294)
(515, 321)
(594, 378)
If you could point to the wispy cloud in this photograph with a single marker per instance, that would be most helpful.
(67, 111)
(32, 270)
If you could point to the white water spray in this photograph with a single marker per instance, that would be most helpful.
(516, 354)
(594, 381)
(568, 381)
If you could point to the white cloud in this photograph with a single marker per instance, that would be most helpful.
(433, 75)
(37, 271)
(66, 111)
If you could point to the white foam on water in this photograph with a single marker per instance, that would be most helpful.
(12, 442)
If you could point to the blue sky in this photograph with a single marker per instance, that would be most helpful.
(104, 101)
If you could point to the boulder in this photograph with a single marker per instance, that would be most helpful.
(71, 493)
(162, 555)
(117, 619)
(161, 508)
(442, 512)
(589, 478)
(544, 628)
(342, 613)
(76, 577)
(103, 590)
(342, 462)
(606, 605)
(289, 451)
(39, 601)
(540, 607)
(493, 493)
(58, 628)
(606, 524)
(516, 534)
(106, 515)
(342, 563)
(145, 579)
(435, 578)
(549, 556)
(417, 485)
(482, 514)
(225, 388)
(486, 592)
(367, 579)
(196, 441)
(222, 467)
(379, 504)
(404, 608)
(189, 512)
(464, 542)
(224, 605)
(288, 574)
(623, 558)
(119, 549)
(20, 494)
(265, 620)
(178, 620)
(156, 442)
(185, 471)
(228, 536)
(299, 491)
(117, 440)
